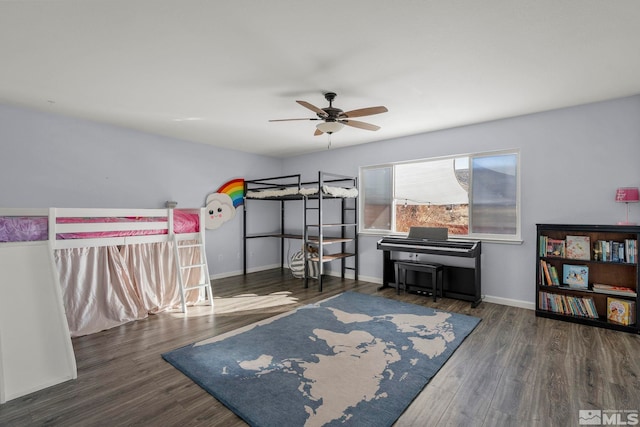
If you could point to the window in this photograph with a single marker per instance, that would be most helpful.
(472, 195)
(376, 184)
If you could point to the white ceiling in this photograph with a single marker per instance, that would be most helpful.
(215, 72)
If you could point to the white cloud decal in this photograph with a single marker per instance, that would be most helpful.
(219, 210)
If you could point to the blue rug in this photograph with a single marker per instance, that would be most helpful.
(353, 359)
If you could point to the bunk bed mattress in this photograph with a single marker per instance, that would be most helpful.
(27, 229)
(305, 191)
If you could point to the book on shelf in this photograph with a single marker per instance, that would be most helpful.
(630, 251)
(567, 304)
(614, 290)
(616, 247)
(549, 274)
(620, 311)
(575, 276)
(555, 278)
(546, 274)
(578, 247)
(542, 246)
(613, 251)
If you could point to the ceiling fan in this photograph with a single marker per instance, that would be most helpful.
(334, 119)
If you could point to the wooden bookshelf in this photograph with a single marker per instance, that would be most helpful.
(573, 297)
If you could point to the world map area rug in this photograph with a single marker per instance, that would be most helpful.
(353, 359)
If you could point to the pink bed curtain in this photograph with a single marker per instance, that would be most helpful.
(155, 276)
(104, 287)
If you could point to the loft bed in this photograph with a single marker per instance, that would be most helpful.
(315, 230)
(72, 272)
(94, 247)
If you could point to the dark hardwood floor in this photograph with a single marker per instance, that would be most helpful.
(513, 370)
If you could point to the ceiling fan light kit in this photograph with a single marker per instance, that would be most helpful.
(334, 119)
(329, 127)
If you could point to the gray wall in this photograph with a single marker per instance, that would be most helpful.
(55, 161)
(572, 160)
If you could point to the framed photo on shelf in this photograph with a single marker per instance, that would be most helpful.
(555, 247)
(575, 276)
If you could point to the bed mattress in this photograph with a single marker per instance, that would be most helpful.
(305, 191)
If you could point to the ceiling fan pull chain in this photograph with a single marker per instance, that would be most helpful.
(329, 137)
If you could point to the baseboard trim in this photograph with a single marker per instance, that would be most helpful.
(486, 298)
(240, 273)
(510, 302)
(350, 275)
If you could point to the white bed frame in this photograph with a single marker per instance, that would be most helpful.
(35, 343)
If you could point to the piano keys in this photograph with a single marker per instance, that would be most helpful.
(458, 282)
(426, 245)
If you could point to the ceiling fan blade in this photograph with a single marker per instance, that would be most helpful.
(288, 120)
(317, 132)
(365, 111)
(313, 108)
(360, 125)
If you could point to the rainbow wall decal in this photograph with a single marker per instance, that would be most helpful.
(235, 190)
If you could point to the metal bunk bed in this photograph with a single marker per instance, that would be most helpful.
(316, 232)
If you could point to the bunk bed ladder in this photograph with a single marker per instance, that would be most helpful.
(183, 269)
(350, 215)
(311, 273)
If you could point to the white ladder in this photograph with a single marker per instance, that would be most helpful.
(184, 269)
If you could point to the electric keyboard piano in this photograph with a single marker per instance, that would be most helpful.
(458, 282)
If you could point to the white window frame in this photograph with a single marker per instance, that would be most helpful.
(500, 238)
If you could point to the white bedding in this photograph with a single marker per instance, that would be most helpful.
(340, 191)
(305, 191)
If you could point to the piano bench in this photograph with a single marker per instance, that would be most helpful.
(433, 268)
